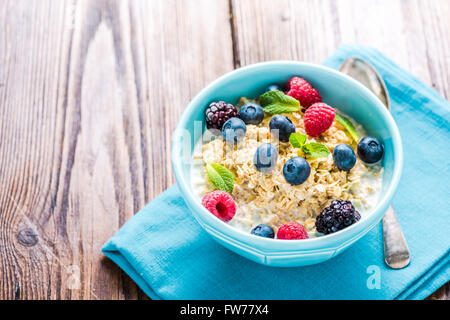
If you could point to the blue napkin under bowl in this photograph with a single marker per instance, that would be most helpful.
(165, 251)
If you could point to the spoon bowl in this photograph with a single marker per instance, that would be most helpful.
(363, 72)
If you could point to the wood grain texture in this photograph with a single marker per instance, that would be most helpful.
(91, 90)
(413, 33)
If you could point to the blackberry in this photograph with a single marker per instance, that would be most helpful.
(218, 113)
(339, 215)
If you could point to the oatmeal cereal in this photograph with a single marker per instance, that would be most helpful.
(315, 180)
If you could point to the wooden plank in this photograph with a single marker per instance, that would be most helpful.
(414, 33)
(90, 92)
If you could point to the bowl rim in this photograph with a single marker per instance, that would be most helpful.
(311, 243)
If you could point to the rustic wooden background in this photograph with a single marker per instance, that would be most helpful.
(90, 92)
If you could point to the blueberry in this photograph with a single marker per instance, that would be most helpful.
(263, 230)
(273, 87)
(370, 149)
(344, 157)
(266, 157)
(233, 130)
(296, 170)
(251, 113)
(282, 127)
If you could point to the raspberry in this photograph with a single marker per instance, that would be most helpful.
(292, 231)
(339, 215)
(318, 118)
(220, 204)
(218, 113)
(303, 91)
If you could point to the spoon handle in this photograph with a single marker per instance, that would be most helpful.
(396, 251)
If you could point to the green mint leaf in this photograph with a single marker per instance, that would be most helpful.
(315, 150)
(297, 139)
(348, 125)
(220, 177)
(276, 102)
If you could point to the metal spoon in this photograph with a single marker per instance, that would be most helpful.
(396, 251)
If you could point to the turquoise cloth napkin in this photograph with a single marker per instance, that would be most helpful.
(169, 255)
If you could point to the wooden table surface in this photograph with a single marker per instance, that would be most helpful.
(90, 93)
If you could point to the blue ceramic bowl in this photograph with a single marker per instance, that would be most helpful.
(337, 90)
